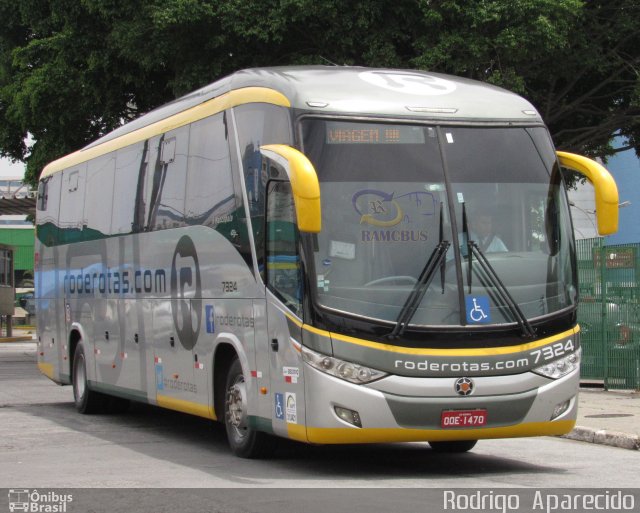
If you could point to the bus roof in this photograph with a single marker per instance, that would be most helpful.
(389, 92)
(341, 90)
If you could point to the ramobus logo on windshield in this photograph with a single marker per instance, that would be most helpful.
(384, 212)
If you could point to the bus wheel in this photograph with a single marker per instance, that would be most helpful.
(457, 446)
(87, 401)
(244, 441)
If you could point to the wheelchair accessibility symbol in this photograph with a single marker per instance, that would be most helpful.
(478, 309)
(279, 406)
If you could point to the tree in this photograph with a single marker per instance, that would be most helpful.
(60, 83)
(577, 62)
(72, 70)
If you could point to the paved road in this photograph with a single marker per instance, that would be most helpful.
(45, 443)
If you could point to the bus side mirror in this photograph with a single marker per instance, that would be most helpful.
(304, 184)
(606, 191)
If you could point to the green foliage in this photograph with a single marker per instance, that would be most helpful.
(72, 70)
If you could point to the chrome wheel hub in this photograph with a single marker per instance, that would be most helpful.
(236, 410)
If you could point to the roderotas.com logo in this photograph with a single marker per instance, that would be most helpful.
(36, 502)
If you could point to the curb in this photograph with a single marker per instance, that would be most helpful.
(22, 338)
(604, 437)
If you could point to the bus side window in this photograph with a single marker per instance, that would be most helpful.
(166, 205)
(283, 259)
(49, 207)
(211, 199)
(259, 124)
(129, 161)
(72, 194)
(98, 204)
(43, 194)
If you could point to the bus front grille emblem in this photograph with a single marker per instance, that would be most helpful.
(464, 386)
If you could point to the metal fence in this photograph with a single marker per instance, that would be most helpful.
(609, 313)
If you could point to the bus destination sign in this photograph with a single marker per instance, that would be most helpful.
(372, 133)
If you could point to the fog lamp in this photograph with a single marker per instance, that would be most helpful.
(350, 416)
(560, 409)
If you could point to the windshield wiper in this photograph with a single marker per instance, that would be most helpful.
(443, 261)
(420, 289)
(467, 240)
(436, 259)
(503, 292)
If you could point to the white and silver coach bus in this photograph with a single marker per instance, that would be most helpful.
(325, 254)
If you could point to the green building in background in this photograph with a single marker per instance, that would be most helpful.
(19, 233)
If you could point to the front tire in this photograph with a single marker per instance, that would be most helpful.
(453, 447)
(86, 400)
(244, 441)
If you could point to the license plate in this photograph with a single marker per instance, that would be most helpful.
(463, 418)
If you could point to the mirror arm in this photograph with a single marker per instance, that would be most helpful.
(304, 184)
(606, 191)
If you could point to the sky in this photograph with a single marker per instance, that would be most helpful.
(9, 169)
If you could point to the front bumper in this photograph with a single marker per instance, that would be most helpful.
(402, 409)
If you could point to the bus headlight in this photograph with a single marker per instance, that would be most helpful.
(560, 367)
(353, 372)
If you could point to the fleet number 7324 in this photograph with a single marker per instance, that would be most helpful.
(553, 351)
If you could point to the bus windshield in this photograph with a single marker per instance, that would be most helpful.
(394, 194)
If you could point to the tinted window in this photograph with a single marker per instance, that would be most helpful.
(129, 161)
(259, 124)
(43, 194)
(169, 181)
(385, 209)
(49, 203)
(98, 203)
(145, 187)
(384, 206)
(72, 202)
(210, 192)
(494, 155)
(284, 275)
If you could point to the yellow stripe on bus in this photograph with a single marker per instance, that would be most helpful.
(46, 369)
(206, 109)
(297, 432)
(384, 435)
(201, 410)
(484, 351)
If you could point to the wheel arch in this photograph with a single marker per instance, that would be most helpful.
(76, 334)
(228, 347)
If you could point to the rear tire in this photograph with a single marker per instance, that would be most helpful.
(244, 441)
(86, 400)
(453, 447)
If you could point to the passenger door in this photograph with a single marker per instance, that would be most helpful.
(284, 307)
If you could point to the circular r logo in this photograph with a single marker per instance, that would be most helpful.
(186, 292)
(408, 82)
